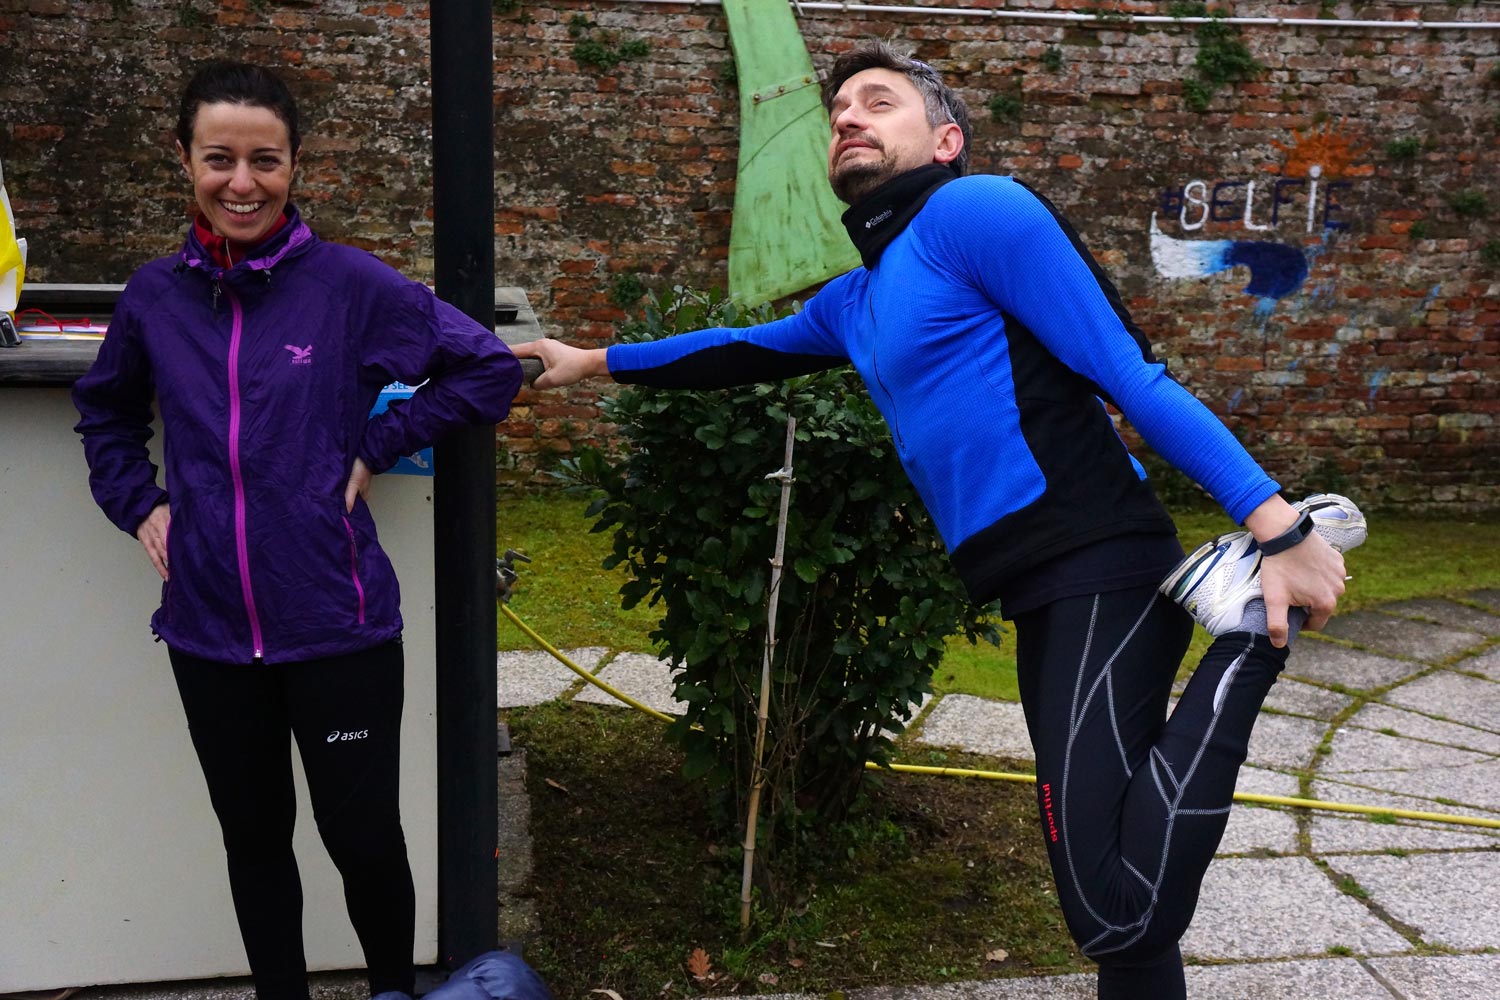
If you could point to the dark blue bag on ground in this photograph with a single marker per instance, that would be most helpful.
(495, 975)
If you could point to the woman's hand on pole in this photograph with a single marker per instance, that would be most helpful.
(565, 365)
(153, 536)
(358, 486)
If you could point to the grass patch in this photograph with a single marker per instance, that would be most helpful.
(571, 601)
(629, 878)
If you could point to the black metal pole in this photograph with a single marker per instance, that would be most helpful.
(463, 194)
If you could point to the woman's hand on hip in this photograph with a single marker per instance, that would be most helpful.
(358, 486)
(153, 536)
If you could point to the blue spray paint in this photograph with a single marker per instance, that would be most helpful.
(1376, 381)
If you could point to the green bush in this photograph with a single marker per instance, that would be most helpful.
(867, 596)
(1405, 148)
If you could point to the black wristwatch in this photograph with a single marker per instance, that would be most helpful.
(1288, 538)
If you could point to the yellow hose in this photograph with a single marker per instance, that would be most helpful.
(959, 772)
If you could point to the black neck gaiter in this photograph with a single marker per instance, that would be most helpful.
(881, 216)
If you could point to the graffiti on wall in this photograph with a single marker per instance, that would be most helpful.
(1307, 198)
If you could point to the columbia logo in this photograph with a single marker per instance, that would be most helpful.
(878, 219)
(300, 355)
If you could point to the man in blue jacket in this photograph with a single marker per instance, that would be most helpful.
(988, 336)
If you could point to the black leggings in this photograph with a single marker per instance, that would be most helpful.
(1133, 804)
(345, 712)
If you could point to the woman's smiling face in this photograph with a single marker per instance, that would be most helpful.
(241, 164)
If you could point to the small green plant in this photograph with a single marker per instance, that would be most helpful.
(1327, 8)
(627, 290)
(1186, 8)
(1489, 254)
(1397, 852)
(1349, 887)
(1052, 59)
(729, 73)
(1223, 59)
(1383, 819)
(1405, 148)
(1418, 230)
(1341, 950)
(1005, 107)
(1469, 203)
(603, 50)
(189, 16)
(504, 6)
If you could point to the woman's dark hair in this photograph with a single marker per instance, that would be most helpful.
(942, 104)
(222, 81)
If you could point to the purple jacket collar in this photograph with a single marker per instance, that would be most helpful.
(290, 239)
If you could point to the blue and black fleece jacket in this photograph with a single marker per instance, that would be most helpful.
(987, 335)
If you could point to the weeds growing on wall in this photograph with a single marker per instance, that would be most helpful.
(1005, 107)
(1405, 148)
(1468, 203)
(1051, 59)
(1223, 58)
(1489, 254)
(603, 50)
(867, 598)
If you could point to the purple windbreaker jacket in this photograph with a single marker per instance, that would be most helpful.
(265, 374)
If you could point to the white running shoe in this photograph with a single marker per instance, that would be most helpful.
(1216, 581)
(1335, 517)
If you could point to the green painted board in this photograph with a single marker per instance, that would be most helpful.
(786, 235)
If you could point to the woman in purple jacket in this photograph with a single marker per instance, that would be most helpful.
(266, 349)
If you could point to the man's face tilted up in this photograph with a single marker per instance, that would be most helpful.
(880, 129)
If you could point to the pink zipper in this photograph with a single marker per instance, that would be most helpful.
(359, 588)
(241, 541)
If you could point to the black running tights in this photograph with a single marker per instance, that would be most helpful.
(345, 713)
(1133, 803)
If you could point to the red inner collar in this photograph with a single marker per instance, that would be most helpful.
(226, 252)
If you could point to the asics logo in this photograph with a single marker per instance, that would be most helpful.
(336, 736)
(300, 355)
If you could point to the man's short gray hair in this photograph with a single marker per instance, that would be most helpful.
(942, 104)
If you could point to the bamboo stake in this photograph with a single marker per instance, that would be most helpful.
(762, 715)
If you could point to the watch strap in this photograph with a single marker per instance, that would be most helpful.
(1290, 537)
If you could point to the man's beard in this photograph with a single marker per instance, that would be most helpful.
(852, 183)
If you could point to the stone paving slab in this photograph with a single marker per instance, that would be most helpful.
(1280, 908)
(531, 676)
(1297, 698)
(1263, 781)
(1362, 752)
(1356, 794)
(1486, 663)
(1451, 696)
(1311, 979)
(1330, 663)
(1074, 987)
(1401, 636)
(1476, 785)
(642, 676)
(1252, 828)
(1334, 833)
(1284, 741)
(1450, 613)
(1442, 977)
(978, 725)
(1451, 899)
(1414, 725)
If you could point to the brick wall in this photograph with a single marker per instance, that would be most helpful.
(1363, 155)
